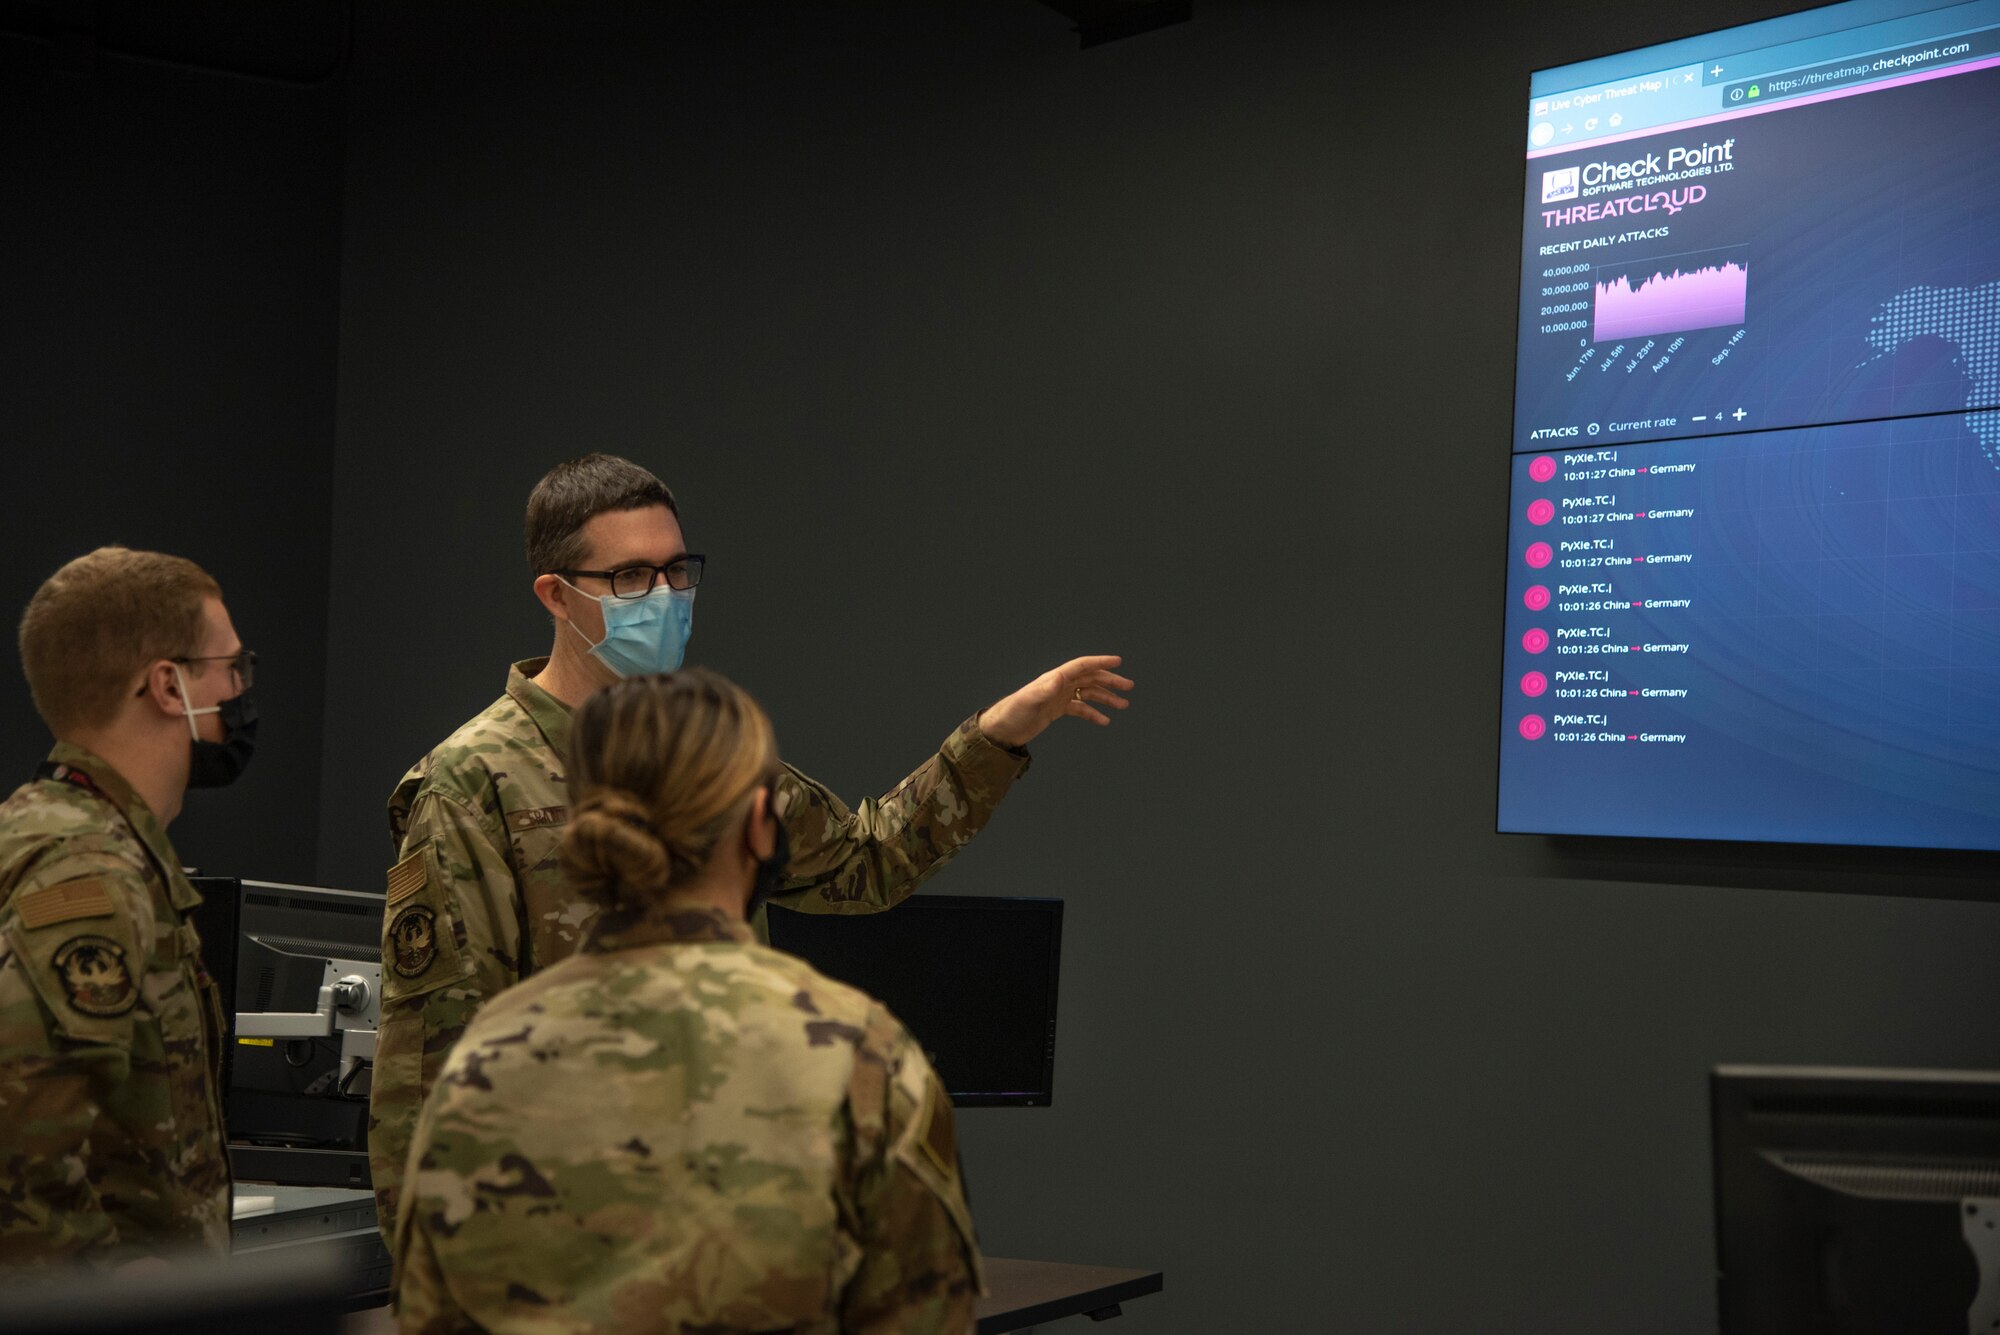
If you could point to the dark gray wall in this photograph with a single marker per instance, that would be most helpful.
(967, 352)
(169, 250)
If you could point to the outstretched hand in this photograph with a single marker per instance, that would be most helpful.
(1075, 689)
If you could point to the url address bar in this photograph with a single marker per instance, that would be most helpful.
(1862, 69)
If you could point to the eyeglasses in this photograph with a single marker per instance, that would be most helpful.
(638, 581)
(243, 664)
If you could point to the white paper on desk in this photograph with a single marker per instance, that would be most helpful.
(246, 1206)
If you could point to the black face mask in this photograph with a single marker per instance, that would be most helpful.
(216, 764)
(771, 871)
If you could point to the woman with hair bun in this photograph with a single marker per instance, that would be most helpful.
(677, 1128)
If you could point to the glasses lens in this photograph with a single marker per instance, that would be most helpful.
(685, 573)
(246, 668)
(633, 581)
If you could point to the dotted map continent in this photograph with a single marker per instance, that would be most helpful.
(1969, 319)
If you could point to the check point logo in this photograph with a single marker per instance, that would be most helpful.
(1563, 183)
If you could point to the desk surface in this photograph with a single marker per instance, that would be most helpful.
(1020, 1293)
(1023, 1294)
(1031, 1293)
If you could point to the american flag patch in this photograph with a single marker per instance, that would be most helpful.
(86, 897)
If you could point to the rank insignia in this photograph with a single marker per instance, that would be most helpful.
(415, 936)
(94, 976)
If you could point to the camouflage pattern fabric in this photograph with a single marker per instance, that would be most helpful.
(678, 1129)
(478, 901)
(111, 1139)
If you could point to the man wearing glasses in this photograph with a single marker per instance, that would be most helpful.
(477, 901)
(111, 1141)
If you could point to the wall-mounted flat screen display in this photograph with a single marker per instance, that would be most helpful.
(973, 978)
(1753, 565)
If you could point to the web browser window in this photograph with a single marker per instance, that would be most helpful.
(1754, 563)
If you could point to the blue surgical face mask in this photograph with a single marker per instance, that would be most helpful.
(642, 635)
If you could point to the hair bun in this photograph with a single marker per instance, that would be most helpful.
(661, 771)
(611, 847)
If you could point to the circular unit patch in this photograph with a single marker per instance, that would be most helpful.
(94, 976)
(414, 934)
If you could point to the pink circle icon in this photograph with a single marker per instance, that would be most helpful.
(1536, 598)
(1540, 554)
(1535, 640)
(1541, 511)
(1542, 467)
(1534, 684)
(1533, 726)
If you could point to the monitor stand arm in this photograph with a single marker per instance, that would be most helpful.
(349, 1004)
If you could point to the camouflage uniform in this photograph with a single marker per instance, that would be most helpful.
(111, 1140)
(478, 901)
(680, 1129)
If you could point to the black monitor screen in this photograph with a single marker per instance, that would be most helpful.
(973, 978)
(286, 1092)
(314, 920)
(1851, 1201)
(1753, 564)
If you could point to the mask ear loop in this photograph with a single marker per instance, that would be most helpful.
(188, 711)
(572, 625)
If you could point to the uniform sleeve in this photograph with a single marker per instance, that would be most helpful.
(70, 964)
(424, 1305)
(920, 1271)
(875, 856)
(451, 938)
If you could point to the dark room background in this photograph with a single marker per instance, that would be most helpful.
(967, 351)
(169, 317)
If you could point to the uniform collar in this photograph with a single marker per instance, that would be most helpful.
(665, 923)
(549, 714)
(69, 763)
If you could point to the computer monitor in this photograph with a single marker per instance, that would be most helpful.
(267, 943)
(1851, 1200)
(974, 979)
(1753, 561)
